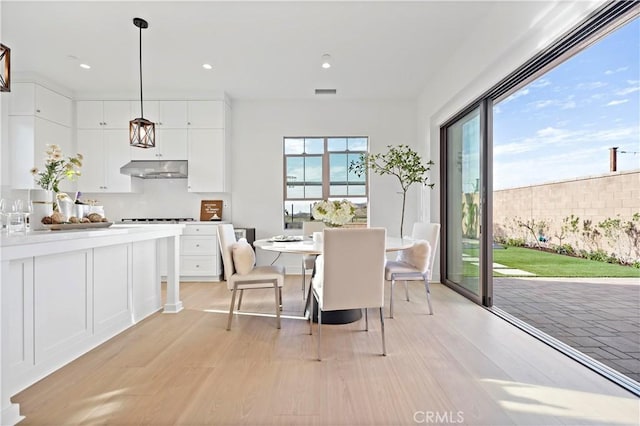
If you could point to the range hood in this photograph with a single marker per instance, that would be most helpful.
(163, 169)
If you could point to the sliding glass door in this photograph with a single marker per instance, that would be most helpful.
(464, 202)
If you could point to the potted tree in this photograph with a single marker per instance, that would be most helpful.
(399, 161)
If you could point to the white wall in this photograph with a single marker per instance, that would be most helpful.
(159, 198)
(257, 164)
(483, 61)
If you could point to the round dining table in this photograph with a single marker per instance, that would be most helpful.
(297, 244)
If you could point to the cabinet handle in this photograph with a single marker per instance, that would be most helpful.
(37, 110)
(105, 123)
(197, 266)
(188, 123)
(197, 245)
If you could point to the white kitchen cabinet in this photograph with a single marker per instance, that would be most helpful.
(105, 151)
(171, 144)
(207, 161)
(165, 114)
(37, 117)
(199, 253)
(103, 114)
(35, 100)
(206, 114)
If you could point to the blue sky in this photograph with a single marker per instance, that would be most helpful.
(562, 125)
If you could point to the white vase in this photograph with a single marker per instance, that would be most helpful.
(42, 202)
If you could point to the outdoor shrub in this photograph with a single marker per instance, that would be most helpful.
(598, 255)
(636, 264)
(565, 249)
(515, 242)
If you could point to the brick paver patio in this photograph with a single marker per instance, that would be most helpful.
(598, 316)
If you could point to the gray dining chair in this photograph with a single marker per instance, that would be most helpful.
(415, 263)
(350, 275)
(241, 273)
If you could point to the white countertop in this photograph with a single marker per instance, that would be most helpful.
(35, 243)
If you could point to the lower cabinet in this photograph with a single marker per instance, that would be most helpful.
(199, 253)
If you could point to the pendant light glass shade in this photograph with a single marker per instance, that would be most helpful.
(142, 132)
(5, 68)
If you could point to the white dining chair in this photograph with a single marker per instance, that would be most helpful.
(241, 273)
(415, 263)
(350, 275)
(308, 260)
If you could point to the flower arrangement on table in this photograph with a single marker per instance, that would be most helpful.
(334, 213)
(56, 168)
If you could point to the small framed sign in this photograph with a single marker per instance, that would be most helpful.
(211, 210)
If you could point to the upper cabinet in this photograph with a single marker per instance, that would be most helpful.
(104, 114)
(209, 148)
(31, 99)
(37, 117)
(165, 114)
(206, 114)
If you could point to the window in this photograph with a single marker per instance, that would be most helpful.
(317, 168)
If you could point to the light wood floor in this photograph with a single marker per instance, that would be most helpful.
(462, 365)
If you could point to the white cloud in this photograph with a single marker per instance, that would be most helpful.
(543, 104)
(617, 102)
(592, 85)
(543, 82)
(516, 95)
(628, 90)
(609, 72)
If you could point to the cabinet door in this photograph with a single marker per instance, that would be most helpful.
(173, 114)
(117, 154)
(48, 133)
(23, 157)
(150, 111)
(172, 143)
(91, 147)
(206, 160)
(22, 99)
(116, 115)
(146, 154)
(206, 114)
(52, 106)
(89, 114)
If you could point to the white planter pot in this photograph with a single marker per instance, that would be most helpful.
(42, 202)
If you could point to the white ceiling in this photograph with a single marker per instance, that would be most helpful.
(259, 50)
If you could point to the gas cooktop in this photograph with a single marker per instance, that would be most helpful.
(157, 219)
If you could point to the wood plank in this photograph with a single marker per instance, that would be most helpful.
(460, 365)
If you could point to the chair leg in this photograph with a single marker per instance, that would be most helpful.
(406, 289)
(278, 305)
(393, 285)
(384, 345)
(310, 314)
(426, 287)
(366, 319)
(304, 277)
(319, 330)
(233, 302)
(280, 291)
(240, 299)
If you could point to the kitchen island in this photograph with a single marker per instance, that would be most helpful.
(65, 292)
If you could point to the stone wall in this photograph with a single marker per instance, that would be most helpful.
(595, 198)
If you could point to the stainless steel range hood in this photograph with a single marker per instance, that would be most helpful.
(163, 169)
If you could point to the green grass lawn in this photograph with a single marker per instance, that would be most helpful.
(546, 264)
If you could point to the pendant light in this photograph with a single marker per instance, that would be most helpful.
(142, 132)
(5, 68)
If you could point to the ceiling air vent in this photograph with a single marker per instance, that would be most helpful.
(326, 91)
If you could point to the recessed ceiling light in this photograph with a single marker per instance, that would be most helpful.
(207, 66)
(326, 61)
(85, 66)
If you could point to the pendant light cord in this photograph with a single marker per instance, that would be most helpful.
(141, 103)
